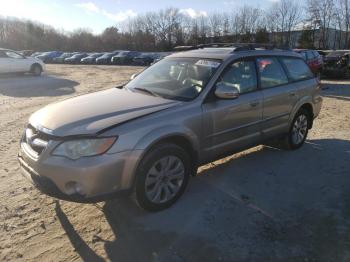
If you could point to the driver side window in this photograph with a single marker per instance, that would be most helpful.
(240, 75)
(13, 55)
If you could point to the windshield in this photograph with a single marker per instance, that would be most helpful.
(122, 53)
(176, 78)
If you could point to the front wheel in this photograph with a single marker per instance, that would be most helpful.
(162, 177)
(36, 70)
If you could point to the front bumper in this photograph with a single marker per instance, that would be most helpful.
(88, 179)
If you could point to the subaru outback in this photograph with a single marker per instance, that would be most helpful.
(148, 137)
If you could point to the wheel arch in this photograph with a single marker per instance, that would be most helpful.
(181, 139)
(304, 104)
(36, 64)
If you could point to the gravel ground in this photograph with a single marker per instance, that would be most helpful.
(262, 204)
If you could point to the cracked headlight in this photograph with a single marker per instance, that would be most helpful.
(75, 149)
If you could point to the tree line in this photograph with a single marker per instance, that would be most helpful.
(163, 29)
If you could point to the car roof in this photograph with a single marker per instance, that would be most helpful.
(5, 49)
(225, 52)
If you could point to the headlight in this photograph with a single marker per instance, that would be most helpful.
(76, 149)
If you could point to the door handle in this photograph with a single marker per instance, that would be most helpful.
(254, 103)
(292, 94)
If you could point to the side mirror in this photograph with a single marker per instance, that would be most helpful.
(223, 91)
(133, 76)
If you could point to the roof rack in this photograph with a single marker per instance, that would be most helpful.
(236, 46)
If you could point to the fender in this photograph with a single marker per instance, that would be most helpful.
(298, 105)
(165, 132)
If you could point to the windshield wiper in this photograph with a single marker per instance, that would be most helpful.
(146, 91)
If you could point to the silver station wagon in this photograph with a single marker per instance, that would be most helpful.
(149, 136)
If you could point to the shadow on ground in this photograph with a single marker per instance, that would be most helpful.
(267, 205)
(31, 86)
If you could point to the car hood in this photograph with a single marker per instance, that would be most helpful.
(91, 113)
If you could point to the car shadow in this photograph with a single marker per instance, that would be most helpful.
(31, 86)
(258, 205)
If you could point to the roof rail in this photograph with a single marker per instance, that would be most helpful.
(200, 46)
(236, 46)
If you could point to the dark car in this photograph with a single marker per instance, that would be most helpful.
(60, 59)
(48, 57)
(336, 64)
(105, 59)
(90, 59)
(160, 56)
(145, 59)
(313, 59)
(124, 58)
(75, 59)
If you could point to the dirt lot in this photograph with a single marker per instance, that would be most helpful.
(260, 205)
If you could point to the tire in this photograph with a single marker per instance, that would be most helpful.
(36, 70)
(156, 190)
(298, 130)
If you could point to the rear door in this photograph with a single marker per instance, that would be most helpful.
(5, 63)
(18, 63)
(230, 124)
(279, 96)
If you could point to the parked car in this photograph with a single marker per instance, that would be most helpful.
(13, 62)
(144, 59)
(91, 59)
(48, 57)
(124, 58)
(26, 52)
(336, 64)
(313, 59)
(160, 56)
(75, 59)
(150, 135)
(106, 58)
(60, 59)
(35, 54)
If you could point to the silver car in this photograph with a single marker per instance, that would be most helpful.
(149, 136)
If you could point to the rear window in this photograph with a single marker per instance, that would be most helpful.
(271, 72)
(316, 53)
(297, 69)
(303, 54)
(310, 55)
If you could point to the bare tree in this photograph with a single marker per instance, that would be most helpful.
(321, 13)
(285, 14)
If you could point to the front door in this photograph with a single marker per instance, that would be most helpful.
(18, 63)
(5, 63)
(230, 124)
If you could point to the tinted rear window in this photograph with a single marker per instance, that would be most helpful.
(297, 69)
(271, 72)
(310, 55)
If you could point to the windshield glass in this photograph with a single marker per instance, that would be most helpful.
(176, 78)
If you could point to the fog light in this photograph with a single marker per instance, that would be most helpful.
(73, 187)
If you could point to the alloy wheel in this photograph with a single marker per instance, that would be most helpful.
(299, 130)
(164, 179)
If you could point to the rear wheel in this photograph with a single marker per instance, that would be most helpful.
(298, 130)
(162, 177)
(36, 70)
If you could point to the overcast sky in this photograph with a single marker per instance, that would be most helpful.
(97, 15)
